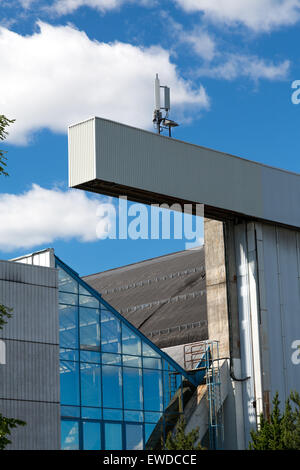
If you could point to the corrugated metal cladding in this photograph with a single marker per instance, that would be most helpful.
(41, 431)
(29, 378)
(268, 286)
(137, 159)
(82, 148)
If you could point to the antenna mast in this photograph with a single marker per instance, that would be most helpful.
(159, 121)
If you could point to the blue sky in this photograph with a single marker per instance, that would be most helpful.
(230, 65)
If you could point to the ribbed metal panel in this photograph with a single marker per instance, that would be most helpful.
(29, 378)
(30, 372)
(82, 149)
(42, 430)
(32, 293)
(134, 159)
(280, 307)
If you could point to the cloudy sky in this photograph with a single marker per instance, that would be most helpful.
(230, 65)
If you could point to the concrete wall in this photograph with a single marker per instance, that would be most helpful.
(29, 375)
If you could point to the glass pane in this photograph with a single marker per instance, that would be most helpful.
(69, 435)
(90, 356)
(113, 436)
(131, 343)
(66, 283)
(148, 432)
(91, 413)
(91, 436)
(69, 383)
(153, 396)
(108, 358)
(112, 386)
(68, 355)
(70, 411)
(111, 333)
(148, 351)
(90, 384)
(152, 363)
(172, 388)
(68, 326)
(89, 321)
(137, 416)
(83, 291)
(133, 388)
(112, 415)
(132, 361)
(88, 301)
(134, 437)
(152, 417)
(69, 299)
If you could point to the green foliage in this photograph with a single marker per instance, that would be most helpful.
(6, 425)
(181, 441)
(4, 313)
(4, 123)
(281, 431)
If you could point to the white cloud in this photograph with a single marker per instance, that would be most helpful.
(259, 15)
(40, 216)
(59, 76)
(63, 7)
(252, 67)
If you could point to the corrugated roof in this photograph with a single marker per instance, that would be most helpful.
(164, 297)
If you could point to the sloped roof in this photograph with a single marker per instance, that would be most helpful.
(164, 297)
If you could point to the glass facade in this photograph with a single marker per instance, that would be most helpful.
(118, 391)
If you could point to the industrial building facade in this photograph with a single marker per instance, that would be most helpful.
(76, 371)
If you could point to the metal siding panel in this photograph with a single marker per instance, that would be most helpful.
(42, 430)
(146, 161)
(31, 372)
(82, 148)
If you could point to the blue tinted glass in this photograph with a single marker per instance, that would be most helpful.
(172, 387)
(112, 415)
(89, 321)
(70, 411)
(109, 358)
(83, 291)
(68, 355)
(148, 431)
(66, 283)
(112, 386)
(113, 436)
(90, 384)
(148, 351)
(91, 436)
(69, 435)
(133, 388)
(153, 396)
(131, 343)
(91, 413)
(137, 416)
(110, 332)
(68, 326)
(69, 383)
(134, 437)
(89, 356)
(88, 301)
(152, 417)
(151, 363)
(69, 299)
(132, 361)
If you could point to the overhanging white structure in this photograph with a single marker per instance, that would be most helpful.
(252, 255)
(114, 159)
